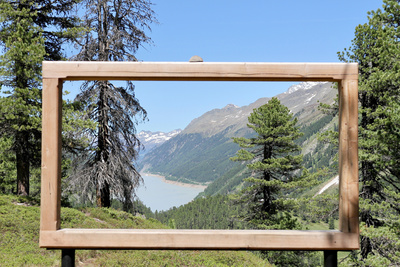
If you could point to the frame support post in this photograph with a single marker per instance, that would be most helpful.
(68, 258)
(330, 258)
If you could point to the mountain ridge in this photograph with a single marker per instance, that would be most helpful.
(150, 139)
(217, 120)
(201, 152)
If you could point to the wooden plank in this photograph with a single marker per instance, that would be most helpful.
(198, 239)
(51, 155)
(199, 71)
(348, 156)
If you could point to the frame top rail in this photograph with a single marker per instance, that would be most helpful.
(199, 71)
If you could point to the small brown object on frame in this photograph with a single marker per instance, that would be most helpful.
(346, 238)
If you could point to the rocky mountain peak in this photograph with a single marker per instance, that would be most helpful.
(230, 106)
(302, 86)
(302, 97)
(152, 139)
(202, 150)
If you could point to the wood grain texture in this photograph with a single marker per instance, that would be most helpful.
(50, 199)
(199, 71)
(199, 239)
(348, 156)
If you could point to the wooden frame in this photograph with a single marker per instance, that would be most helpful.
(346, 238)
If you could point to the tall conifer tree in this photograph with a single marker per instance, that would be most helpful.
(30, 31)
(276, 168)
(20, 72)
(117, 31)
(376, 49)
(273, 163)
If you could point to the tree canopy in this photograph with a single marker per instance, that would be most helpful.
(273, 163)
(116, 31)
(376, 49)
(30, 32)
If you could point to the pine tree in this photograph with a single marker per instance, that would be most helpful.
(376, 49)
(8, 172)
(273, 165)
(30, 32)
(117, 30)
(276, 169)
(20, 72)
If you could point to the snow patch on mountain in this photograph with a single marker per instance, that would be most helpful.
(333, 181)
(152, 139)
(302, 86)
(157, 137)
(309, 99)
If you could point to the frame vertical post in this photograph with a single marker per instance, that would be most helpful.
(51, 155)
(348, 156)
(68, 258)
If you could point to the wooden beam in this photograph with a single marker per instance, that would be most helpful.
(348, 156)
(199, 71)
(50, 198)
(198, 239)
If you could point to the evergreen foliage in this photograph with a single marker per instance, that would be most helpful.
(322, 156)
(30, 32)
(116, 29)
(313, 128)
(20, 76)
(275, 166)
(227, 183)
(272, 164)
(26, 27)
(318, 208)
(210, 212)
(376, 49)
(8, 172)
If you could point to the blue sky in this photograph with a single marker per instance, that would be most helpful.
(239, 31)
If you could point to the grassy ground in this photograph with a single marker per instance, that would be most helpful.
(19, 236)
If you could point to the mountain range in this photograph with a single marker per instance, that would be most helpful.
(200, 153)
(151, 140)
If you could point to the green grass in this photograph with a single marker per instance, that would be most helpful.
(19, 238)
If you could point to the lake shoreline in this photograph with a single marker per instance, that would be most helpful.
(174, 182)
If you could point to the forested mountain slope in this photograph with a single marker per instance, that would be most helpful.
(201, 152)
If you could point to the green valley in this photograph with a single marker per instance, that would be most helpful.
(201, 152)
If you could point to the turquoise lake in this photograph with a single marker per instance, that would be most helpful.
(159, 195)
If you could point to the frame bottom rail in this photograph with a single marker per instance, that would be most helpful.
(198, 239)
